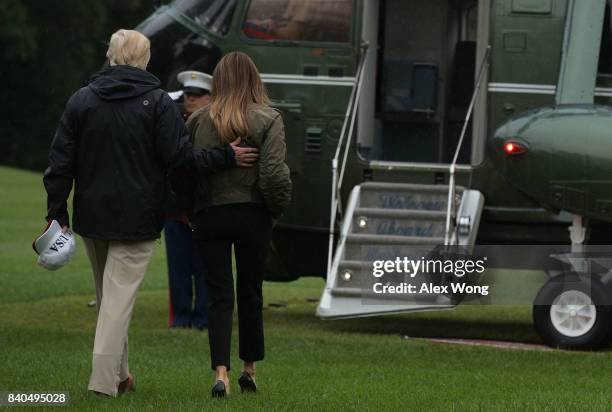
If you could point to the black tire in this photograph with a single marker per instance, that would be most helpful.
(594, 337)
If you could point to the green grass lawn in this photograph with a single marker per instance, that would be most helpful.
(46, 338)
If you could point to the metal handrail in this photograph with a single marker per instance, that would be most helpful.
(450, 208)
(352, 203)
(349, 121)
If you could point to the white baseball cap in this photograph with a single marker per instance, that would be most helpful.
(54, 248)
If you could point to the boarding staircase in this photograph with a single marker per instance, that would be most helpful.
(384, 221)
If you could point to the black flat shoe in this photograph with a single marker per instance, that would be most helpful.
(246, 382)
(219, 391)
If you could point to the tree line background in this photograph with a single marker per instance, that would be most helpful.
(48, 50)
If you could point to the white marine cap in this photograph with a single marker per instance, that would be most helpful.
(54, 248)
(195, 82)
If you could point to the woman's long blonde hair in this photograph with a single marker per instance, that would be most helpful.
(236, 86)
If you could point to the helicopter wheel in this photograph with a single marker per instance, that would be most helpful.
(573, 311)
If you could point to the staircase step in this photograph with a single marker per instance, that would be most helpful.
(407, 187)
(393, 240)
(402, 222)
(402, 213)
(376, 247)
(371, 298)
(362, 274)
(406, 196)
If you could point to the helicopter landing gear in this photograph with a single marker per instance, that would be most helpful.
(573, 310)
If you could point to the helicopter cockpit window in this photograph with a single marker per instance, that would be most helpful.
(214, 15)
(299, 20)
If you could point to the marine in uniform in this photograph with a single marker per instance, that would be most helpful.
(188, 292)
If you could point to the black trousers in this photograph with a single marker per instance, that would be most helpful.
(248, 228)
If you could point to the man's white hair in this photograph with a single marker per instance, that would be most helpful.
(129, 47)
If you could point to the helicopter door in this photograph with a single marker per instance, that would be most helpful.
(425, 79)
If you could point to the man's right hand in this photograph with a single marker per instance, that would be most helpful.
(245, 156)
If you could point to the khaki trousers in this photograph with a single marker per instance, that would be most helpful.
(118, 269)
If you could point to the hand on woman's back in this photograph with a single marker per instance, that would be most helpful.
(245, 156)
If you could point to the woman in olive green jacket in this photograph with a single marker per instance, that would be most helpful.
(236, 207)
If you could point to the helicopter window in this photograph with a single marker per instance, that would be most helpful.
(215, 15)
(299, 20)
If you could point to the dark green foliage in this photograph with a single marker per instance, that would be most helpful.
(48, 49)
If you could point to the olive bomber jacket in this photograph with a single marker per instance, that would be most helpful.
(268, 182)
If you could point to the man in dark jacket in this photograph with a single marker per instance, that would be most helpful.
(118, 139)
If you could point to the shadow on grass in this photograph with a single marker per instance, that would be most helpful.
(438, 328)
(470, 322)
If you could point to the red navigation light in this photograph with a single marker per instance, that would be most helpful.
(514, 148)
